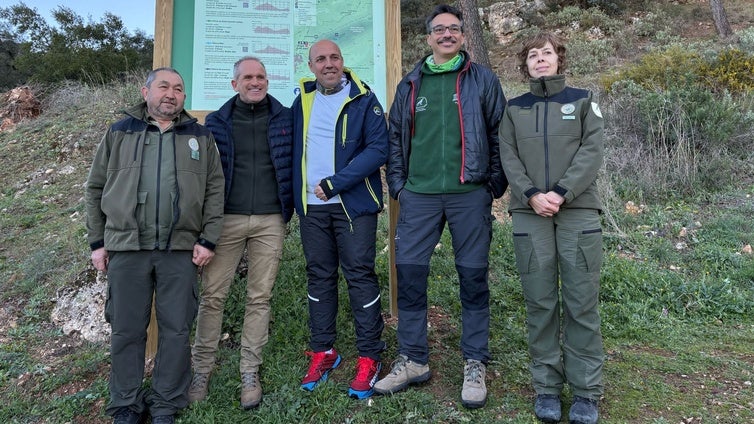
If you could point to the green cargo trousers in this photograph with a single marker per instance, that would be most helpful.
(559, 260)
(133, 278)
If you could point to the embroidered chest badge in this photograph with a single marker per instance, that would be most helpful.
(567, 111)
(194, 145)
(421, 104)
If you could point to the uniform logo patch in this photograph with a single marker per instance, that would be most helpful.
(194, 145)
(596, 109)
(377, 111)
(567, 109)
(421, 104)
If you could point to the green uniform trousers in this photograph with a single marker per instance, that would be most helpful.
(559, 259)
(133, 279)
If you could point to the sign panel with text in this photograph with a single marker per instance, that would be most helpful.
(210, 35)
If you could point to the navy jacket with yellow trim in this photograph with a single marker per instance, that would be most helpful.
(360, 148)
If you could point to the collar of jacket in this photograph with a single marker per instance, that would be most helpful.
(140, 112)
(309, 85)
(547, 86)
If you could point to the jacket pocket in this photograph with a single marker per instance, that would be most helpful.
(141, 207)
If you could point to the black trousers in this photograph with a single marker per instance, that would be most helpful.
(330, 239)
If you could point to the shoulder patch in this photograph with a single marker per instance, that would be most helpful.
(596, 109)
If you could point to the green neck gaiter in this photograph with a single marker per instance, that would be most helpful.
(451, 65)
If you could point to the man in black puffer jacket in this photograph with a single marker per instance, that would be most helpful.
(254, 137)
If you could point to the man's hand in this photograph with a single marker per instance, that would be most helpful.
(320, 193)
(100, 259)
(202, 255)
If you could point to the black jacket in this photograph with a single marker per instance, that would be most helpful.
(279, 136)
(481, 107)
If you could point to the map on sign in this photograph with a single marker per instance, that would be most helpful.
(280, 33)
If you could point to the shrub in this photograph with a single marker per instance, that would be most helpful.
(659, 137)
(733, 70)
(585, 56)
(746, 40)
(612, 7)
(576, 18)
(661, 69)
(651, 23)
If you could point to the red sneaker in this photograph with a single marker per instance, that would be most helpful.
(367, 370)
(319, 368)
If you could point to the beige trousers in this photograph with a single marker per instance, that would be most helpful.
(262, 237)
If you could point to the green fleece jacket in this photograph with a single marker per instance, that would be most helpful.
(113, 199)
(551, 140)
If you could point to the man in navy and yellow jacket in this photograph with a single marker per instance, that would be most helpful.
(339, 145)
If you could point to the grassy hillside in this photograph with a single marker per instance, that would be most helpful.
(677, 287)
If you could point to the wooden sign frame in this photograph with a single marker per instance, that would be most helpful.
(163, 48)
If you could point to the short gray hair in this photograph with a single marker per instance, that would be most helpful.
(153, 74)
(244, 59)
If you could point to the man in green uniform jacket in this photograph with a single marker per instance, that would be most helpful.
(154, 200)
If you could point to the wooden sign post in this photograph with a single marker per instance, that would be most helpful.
(163, 56)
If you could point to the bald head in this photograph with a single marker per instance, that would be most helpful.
(326, 63)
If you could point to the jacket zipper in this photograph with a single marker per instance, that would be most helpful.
(157, 200)
(544, 129)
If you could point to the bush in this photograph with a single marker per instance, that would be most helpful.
(662, 69)
(746, 40)
(651, 23)
(733, 71)
(612, 7)
(659, 137)
(576, 18)
(585, 56)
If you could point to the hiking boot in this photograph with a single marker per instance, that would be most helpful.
(199, 387)
(583, 411)
(367, 370)
(547, 408)
(404, 372)
(251, 390)
(319, 368)
(163, 419)
(474, 392)
(125, 415)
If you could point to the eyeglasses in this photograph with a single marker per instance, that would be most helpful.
(440, 29)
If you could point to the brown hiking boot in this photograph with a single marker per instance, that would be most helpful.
(199, 387)
(403, 373)
(251, 390)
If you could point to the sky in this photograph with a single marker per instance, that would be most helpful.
(135, 14)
